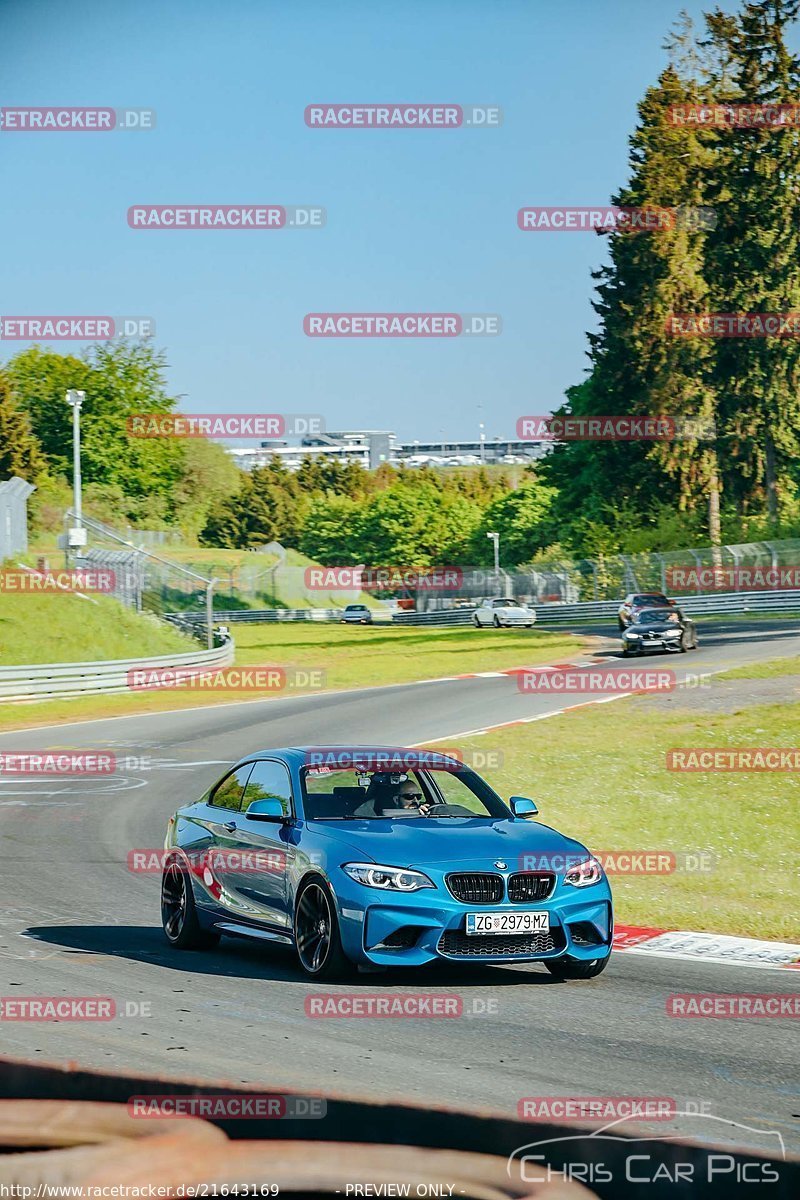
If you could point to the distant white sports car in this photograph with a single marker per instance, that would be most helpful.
(503, 611)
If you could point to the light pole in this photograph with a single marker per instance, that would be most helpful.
(496, 541)
(483, 447)
(77, 534)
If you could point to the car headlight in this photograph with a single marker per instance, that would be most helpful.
(584, 873)
(631, 634)
(388, 879)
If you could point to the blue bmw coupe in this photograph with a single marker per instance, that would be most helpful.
(380, 857)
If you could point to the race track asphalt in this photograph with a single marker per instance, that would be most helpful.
(76, 922)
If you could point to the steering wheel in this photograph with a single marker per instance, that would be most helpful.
(449, 810)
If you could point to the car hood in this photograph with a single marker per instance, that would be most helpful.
(469, 843)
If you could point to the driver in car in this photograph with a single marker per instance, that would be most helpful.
(386, 796)
(408, 795)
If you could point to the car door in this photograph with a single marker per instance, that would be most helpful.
(483, 613)
(256, 871)
(212, 832)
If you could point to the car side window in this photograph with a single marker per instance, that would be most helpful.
(228, 792)
(269, 781)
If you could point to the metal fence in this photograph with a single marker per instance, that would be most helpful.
(267, 580)
(713, 604)
(679, 573)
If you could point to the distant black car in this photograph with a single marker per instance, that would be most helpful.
(636, 602)
(660, 629)
(356, 614)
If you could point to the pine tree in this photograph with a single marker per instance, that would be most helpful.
(638, 368)
(20, 453)
(754, 257)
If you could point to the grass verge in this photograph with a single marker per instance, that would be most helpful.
(599, 774)
(351, 657)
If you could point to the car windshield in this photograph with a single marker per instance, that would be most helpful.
(506, 604)
(658, 616)
(331, 794)
(650, 598)
(356, 608)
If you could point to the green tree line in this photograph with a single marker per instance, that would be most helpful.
(744, 481)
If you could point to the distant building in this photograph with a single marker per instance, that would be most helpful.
(371, 447)
(468, 453)
(14, 493)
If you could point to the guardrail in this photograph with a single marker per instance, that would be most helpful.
(65, 680)
(250, 615)
(717, 604)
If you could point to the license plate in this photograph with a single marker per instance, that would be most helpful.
(508, 922)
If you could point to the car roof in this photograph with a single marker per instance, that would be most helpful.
(299, 754)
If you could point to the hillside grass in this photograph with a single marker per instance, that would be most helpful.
(63, 627)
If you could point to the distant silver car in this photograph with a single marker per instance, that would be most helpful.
(356, 614)
(503, 611)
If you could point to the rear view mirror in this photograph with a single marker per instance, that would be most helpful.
(266, 810)
(521, 806)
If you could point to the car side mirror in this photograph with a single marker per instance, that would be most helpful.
(266, 810)
(521, 806)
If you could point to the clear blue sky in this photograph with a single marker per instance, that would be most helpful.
(417, 221)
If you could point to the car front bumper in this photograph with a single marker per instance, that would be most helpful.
(645, 644)
(416, 928)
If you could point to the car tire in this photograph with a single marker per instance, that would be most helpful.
(497, 623)
(179, 919)
(684, 647)
(476, 622)
(315, 903)
(529, 626)
(626, 651)
(621, 624)
(570, 968)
